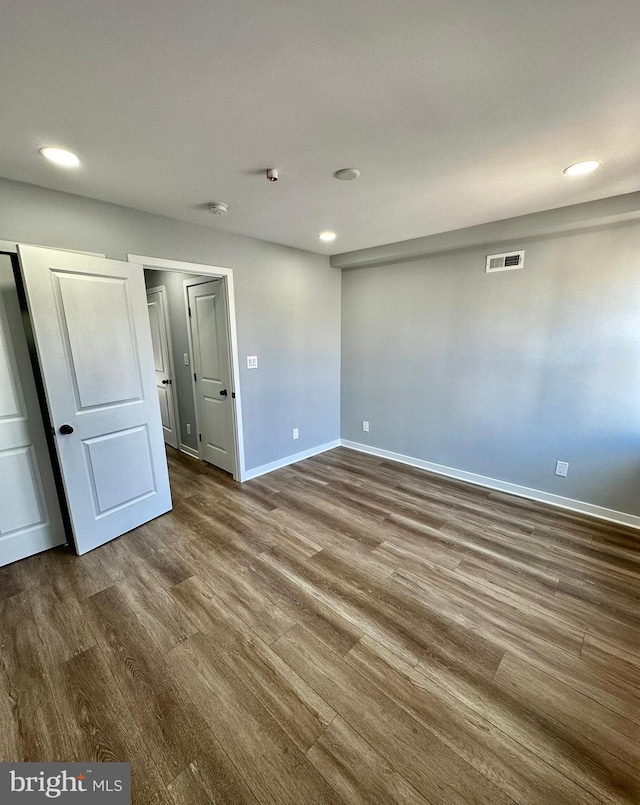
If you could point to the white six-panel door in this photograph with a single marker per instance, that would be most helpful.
(209, 337)
(30, 519)
(91, 329)
(161, 341)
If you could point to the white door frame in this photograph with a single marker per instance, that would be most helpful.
(212, 272)
(12, 247)
(162, 289)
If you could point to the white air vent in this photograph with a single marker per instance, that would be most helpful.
(504, 262)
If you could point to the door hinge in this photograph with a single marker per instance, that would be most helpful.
(194, 377)
(199, 437)
(189, 309)
(233, 395)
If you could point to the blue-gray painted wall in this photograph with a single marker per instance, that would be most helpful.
(499, 375)
(503, 374)
(287, 306)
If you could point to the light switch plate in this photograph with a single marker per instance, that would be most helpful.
(252, 361)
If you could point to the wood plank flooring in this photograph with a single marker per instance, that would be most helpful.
(344, 630)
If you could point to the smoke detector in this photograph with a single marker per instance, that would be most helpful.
(217, 207)
(347, 174)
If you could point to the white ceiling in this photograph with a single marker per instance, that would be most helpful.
(456, 112)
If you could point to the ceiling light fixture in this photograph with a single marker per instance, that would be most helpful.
(581, 168)
(347, 174)
(65, 159)
(327, 237)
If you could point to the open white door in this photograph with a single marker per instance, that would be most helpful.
(91, 329)
(161, 341)
(30, 519)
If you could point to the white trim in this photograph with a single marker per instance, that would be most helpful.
(284, 462)
(162, 290)
(591, 509)
(10, 246)
(188, 450)
(161, 264)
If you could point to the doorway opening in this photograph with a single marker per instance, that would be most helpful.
(192, 316)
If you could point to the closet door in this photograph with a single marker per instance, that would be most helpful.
(30, 519)
(91, 330)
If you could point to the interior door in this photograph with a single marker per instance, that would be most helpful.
(91, 331)
(210, 340)
(30, 519)
(159, 322)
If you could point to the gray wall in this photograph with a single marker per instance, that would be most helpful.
(287, 306)
(503, 374)
(182, 385)
(499, 375)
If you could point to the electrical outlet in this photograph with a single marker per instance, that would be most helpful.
(562, 468)
(296, 433)
(188, 430)
(186, 358)
(252, 361)
(365, 426)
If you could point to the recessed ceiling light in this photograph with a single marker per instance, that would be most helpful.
(580, 168)
(327, 237)
(66, 159)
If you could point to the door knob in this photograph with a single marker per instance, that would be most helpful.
(65, 430)
(223, 393)
(166, 382)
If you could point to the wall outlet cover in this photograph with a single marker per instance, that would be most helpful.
(562, 468)
(296, 433)
(365, 426)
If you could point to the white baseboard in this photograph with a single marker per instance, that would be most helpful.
(284, 462)
(613, 516)
(189, 451)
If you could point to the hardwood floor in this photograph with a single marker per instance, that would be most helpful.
(345, 630)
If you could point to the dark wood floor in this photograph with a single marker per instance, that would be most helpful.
(343, 630)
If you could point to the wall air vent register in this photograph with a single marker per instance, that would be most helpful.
(504, 262)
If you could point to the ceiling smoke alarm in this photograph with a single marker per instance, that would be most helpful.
(347, 174)
(218, 207)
